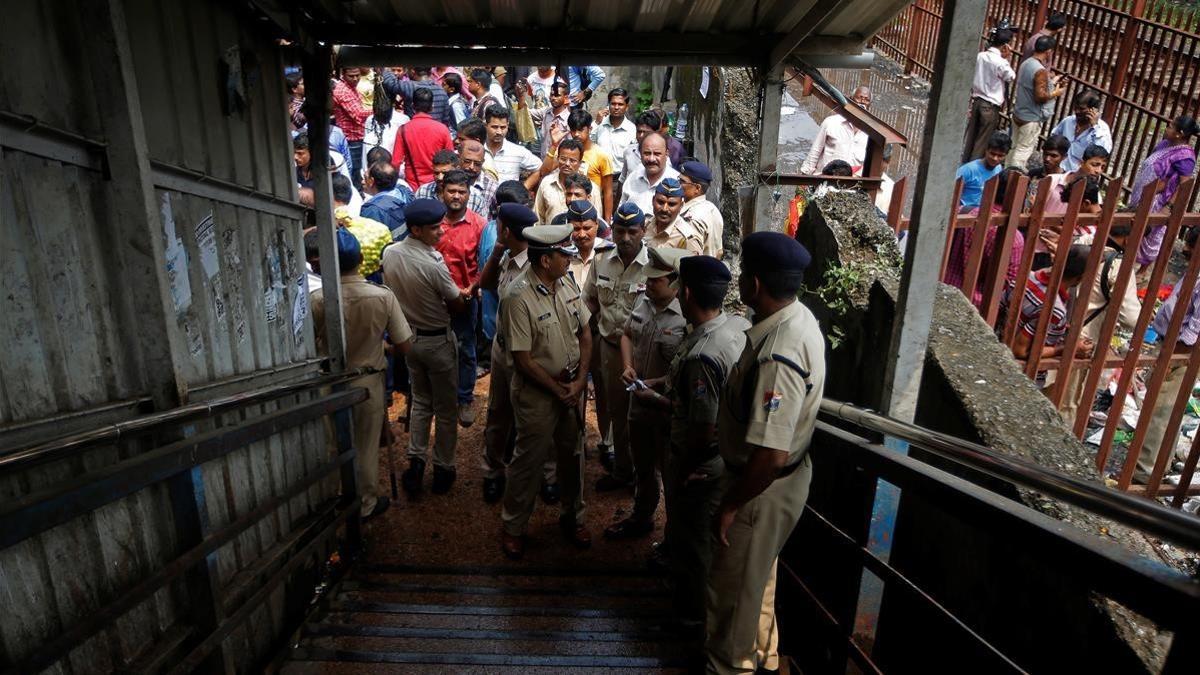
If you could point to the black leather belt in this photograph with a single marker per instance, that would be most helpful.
(737, 469)
(431, 332)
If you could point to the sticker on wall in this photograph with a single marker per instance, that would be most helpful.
(206, 239)
(299, 308)
(270, 304)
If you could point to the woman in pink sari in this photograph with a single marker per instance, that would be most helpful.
(1172, 160)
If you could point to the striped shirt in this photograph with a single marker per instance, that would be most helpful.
(1031, 307)
(482, 193)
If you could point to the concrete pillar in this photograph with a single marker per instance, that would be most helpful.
(941, 150)
(767, 207)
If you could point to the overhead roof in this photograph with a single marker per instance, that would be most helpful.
(711, 32)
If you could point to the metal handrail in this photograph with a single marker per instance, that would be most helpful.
(1141, 514)
(57, 447)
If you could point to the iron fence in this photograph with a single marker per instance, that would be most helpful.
(985, 257)
(1142, 56)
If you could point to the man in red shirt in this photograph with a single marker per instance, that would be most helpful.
(461, 231)
(350, 114)
(417, 141)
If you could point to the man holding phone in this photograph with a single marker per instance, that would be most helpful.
(1084, 128)
(1037, 89)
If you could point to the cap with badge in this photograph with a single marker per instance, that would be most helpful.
(551, 238)
(629, 215)
(669, 187)
(697, 171)
(664, 261)
(422, 212)
(560, 219)
(516, 215)
(580, 210)
(774, 251)
(349, 250)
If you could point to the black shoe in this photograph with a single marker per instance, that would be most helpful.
(381, 505)
(658, 560)
(630, 528)
(493, 489)
(412, 477)
(609, 483)
(608, 456)
(550, 493)
(442, 480)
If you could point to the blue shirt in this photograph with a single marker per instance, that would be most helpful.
(575, 78)
(974, 175)
(491, 300)
(441, 102)
(338, 142)
(388, 208)
(1098, 134)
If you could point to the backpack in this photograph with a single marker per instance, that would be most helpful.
(1105, 286)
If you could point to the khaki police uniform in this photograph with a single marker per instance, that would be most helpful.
(368, 311)
(579, 272)
(679, 234)
(500, 412)
(704, 216)
(695, 383)
(615, 288)
(655, 335)
(545, 322)
(770, 400)
(418, 275)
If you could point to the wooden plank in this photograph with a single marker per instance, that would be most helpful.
(153, 77)
(185, 87)
(218, 154)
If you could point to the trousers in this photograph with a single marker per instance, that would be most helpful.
(691, 507)
(984, 120)
(1156, 428)
(1025, 139)
(740, 621)
(649, 447)
(617, 401)
(497, 435)
(545, 429)
(464, 326)
(369, 418)
(433, 370)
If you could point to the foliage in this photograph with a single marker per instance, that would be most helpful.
(644, 97)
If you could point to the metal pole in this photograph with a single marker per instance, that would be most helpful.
(941, 149)
(766, 201)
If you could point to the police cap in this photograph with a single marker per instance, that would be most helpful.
(516, 216)
(560, 219)
(580, 210)
(551, 238)
(349, 250)
(774, 251)
(664, 261)
(422, 212)
(697, 171)
(670, 187)
(703, 270)
(629, 215)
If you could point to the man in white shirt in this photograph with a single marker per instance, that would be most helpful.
(614, 132)
(639, 185)
(839, 139)
(992, 77)
(509, 160)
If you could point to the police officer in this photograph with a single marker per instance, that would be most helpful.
(697, 210)
(508, 260)
(544, 322)
(668, 228)
(613, 285)
(649, 340)
(368, 310)
(768, 409)
(418, 275)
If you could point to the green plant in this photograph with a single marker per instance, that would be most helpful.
(645, 97)
(840, 285)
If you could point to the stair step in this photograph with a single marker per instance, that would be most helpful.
(355, 605)
(499, 586)
(475, 659)
(647, 634)
(447, 645)
(482, 622)
(617, 603)
(347, 668)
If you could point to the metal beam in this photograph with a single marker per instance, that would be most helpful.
(941, 150)
(27, 134)
(413, 55)
(766, 200)
(180, 179)
(135, 242)
(554, 39)
(805, 27)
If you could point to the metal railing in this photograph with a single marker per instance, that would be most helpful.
(954, 539)
(991, 257)
(210, 614)
(1142, 56)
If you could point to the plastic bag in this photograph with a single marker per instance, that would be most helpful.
(523, 121)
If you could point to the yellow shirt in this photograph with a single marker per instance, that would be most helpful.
(599, 164)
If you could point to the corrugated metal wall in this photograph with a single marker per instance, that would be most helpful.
(67, 323)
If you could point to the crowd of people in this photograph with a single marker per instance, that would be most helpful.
(1074, 157)
(501, 221)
